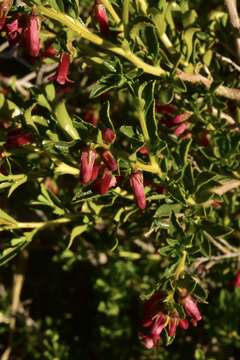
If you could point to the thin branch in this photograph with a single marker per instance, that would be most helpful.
(226, 186)
(215, 259)
(231, 6)
(221, 90)
(227, 60)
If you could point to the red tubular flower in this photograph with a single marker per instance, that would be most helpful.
(61, 76)
(95, 171)
(87, 162)
(31, 35)
(236, 282)
(191, 308)
(108, 136)
(183, 324)
(106, 182)
(109, 160)
(101, 17)
(136, 182)
(172, 325)
(17, 138)
(5, 6)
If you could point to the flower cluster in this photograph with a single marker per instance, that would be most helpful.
(25, 31)
(157, 318)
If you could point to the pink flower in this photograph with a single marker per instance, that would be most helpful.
(108, 136)
(136, 183)
(191, 308)
(13, 31)
(109, 160)
(180, 129)
(87, 162)
(61, 76)
(149, 341)
(31, 35)
(17, 138)
(101, 17)
(181, 118)
(5, 6)
(237, 280)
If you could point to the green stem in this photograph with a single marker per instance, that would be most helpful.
(41, 224)
(113, 13)
(81, 30)
(181, 265)
(125, 13)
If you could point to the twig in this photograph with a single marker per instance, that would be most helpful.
(227, 186)
(226, 60)
(215, 259)
(221, 90)
(231, 6)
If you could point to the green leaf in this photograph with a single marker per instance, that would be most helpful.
(17, 183)
(6, 219)
(165, 210)
(188, 38)
(65, 122)
(77, 231)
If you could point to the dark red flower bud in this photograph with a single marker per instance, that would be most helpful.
(91, 117)
(165, 109)
(5, 6)
(17, 138)
(87, 162)
(108, 136)
(180, 129)
(191, 308)
(31, 35)
(61, 76)
(183, 324)
(50, 51)
(144, 150)
(106, 182)
(237, 280)
(205, 139)
(109, 160)
(136, 182)
(101, 17)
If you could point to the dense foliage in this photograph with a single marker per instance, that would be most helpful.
(119, 179)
